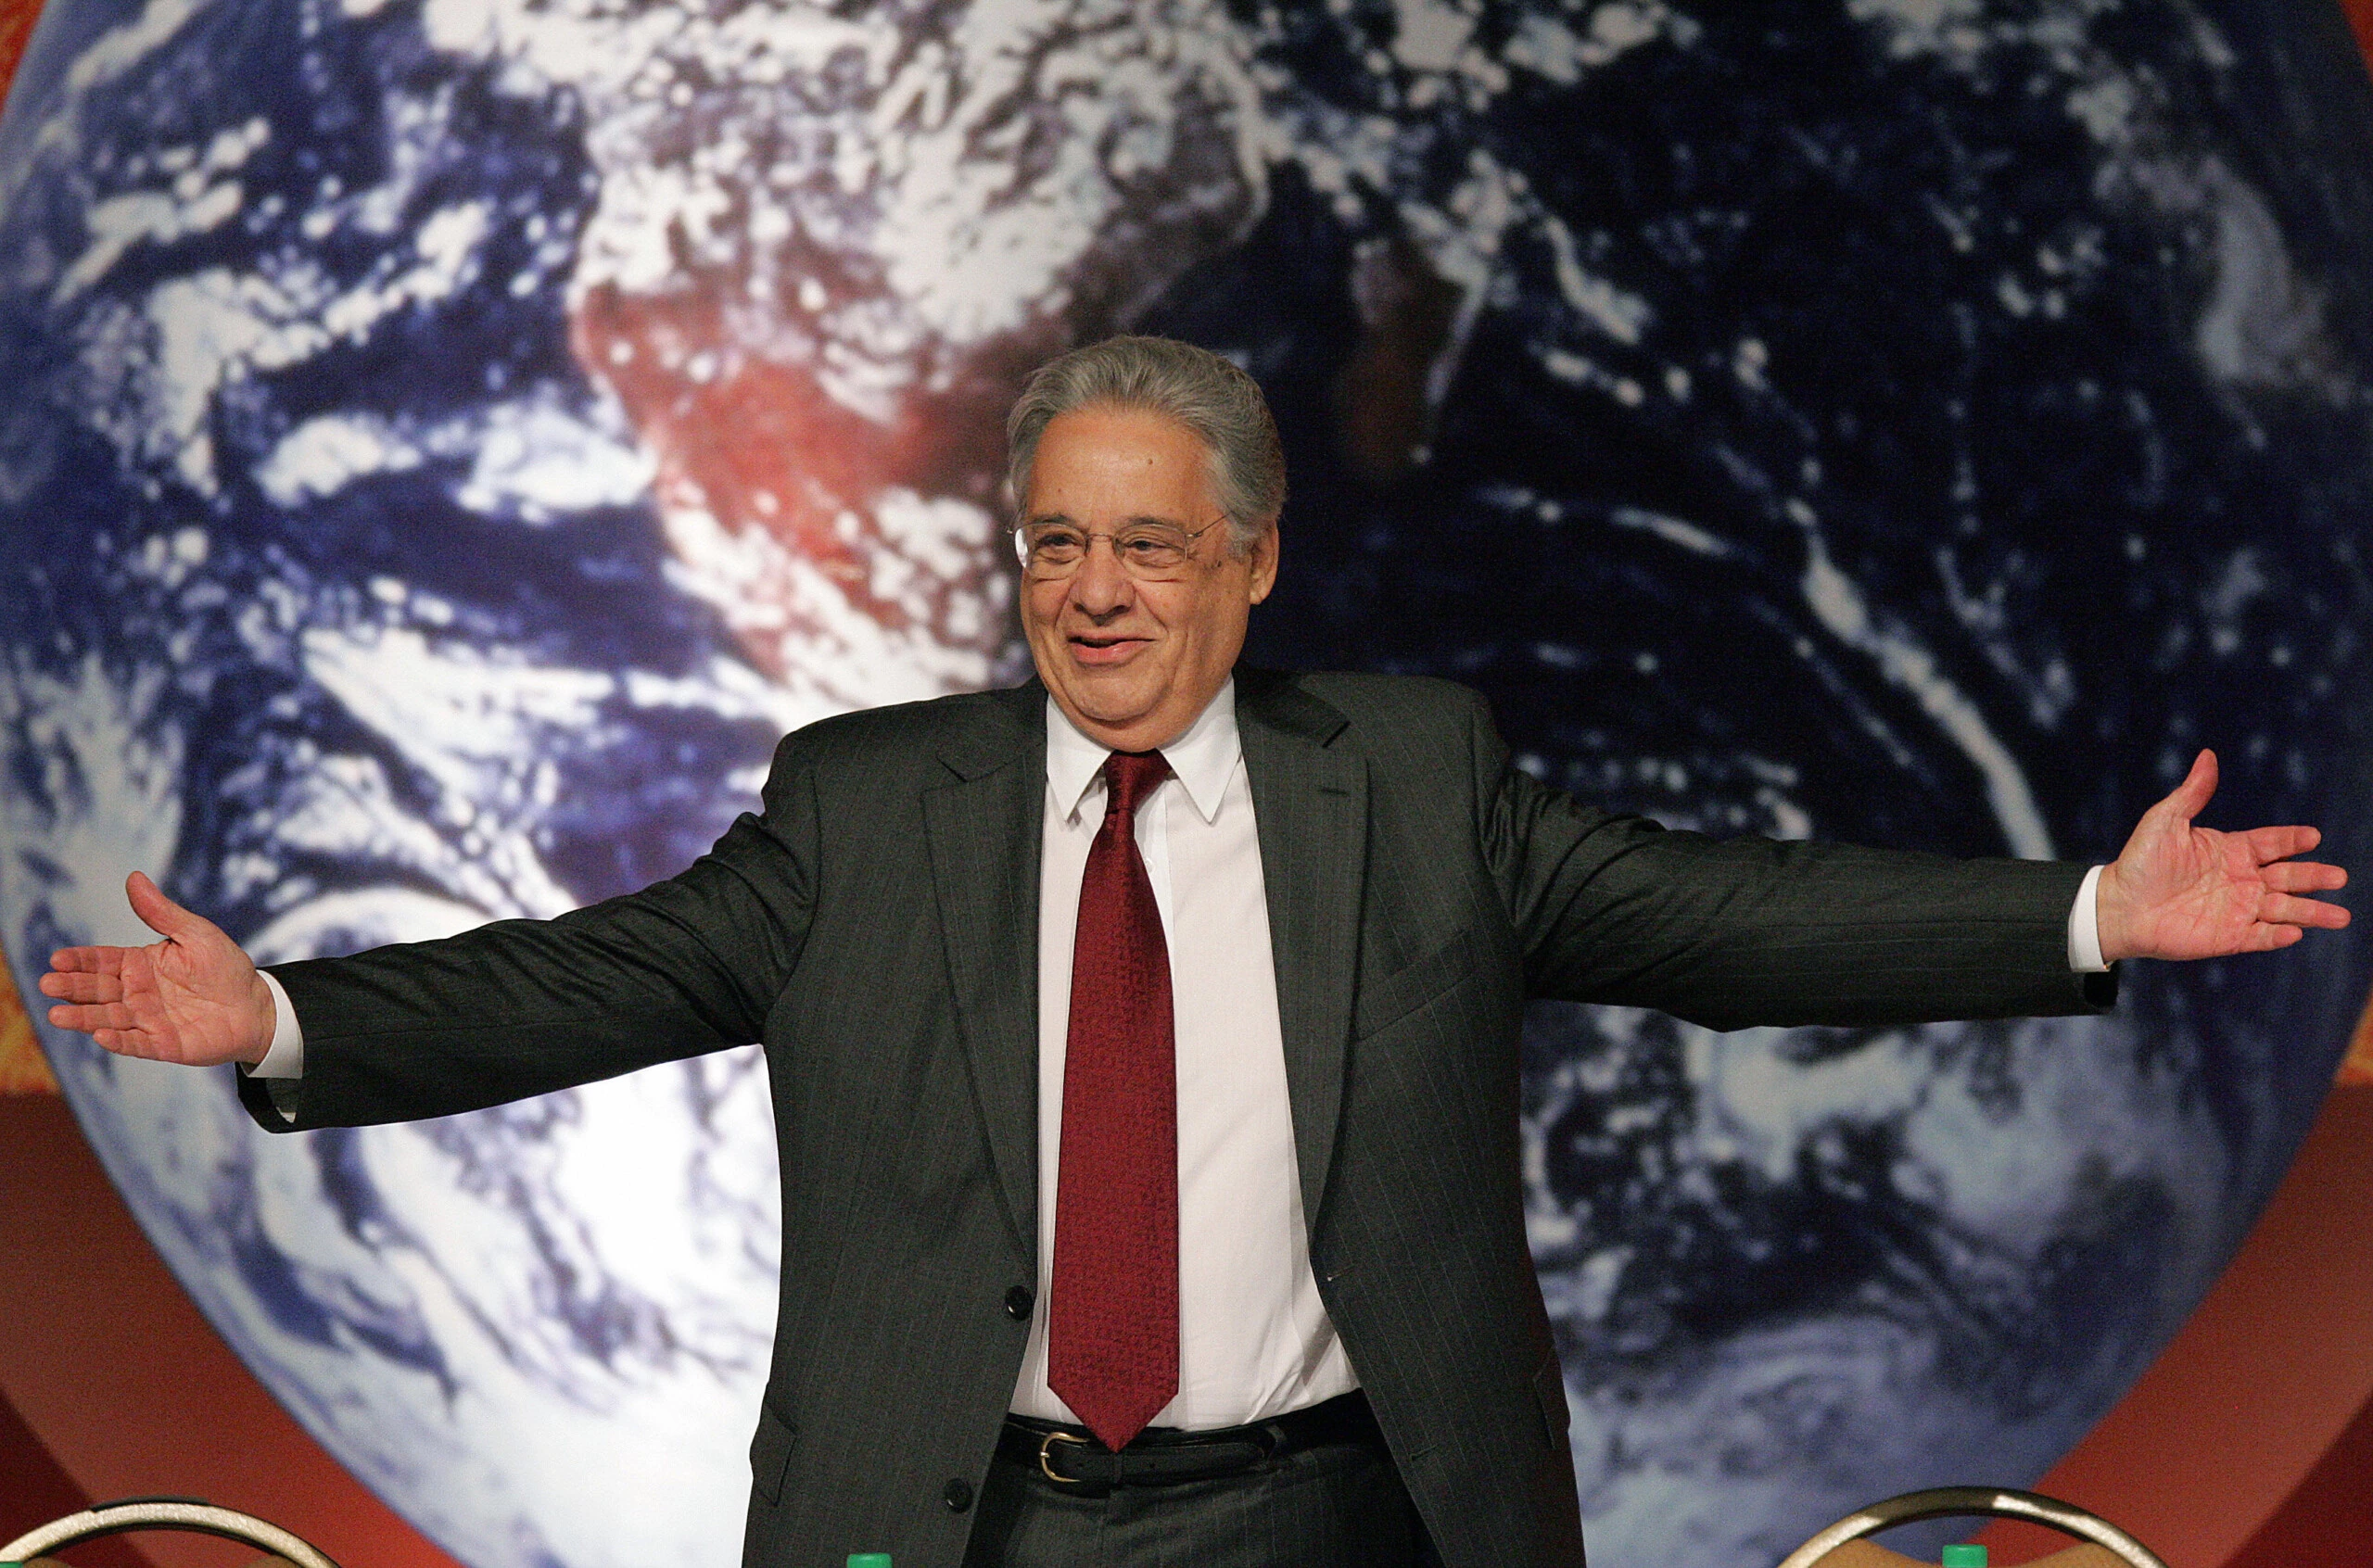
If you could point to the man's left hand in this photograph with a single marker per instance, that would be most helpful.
(2179, 890)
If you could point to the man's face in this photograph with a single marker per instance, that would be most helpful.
(1130, 661)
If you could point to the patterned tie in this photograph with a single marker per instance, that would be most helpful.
(1112, 1326)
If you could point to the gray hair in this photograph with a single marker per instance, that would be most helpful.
(1220, 403)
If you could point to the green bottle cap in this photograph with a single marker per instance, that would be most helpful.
(1954, 1557)
(878, 1559)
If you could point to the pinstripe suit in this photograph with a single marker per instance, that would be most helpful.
(875, 926)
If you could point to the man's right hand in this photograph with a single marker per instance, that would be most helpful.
(193, 998)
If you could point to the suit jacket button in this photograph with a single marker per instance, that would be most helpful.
(1018, 1302)
(958, 1495)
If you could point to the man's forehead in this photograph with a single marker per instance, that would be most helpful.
(1102, 434)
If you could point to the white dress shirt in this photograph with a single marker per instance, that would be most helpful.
(1253, 1338)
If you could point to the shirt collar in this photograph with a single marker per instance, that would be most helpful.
(1202, 760)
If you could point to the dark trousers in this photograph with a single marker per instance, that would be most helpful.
(1335, 1506)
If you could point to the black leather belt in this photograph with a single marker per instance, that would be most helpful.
(1072, 1458)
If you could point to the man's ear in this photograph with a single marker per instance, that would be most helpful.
(1263, 560)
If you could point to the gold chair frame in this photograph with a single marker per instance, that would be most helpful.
(1945, 1502)
(165, 1513)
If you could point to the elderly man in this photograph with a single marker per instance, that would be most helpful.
(1143, 1040)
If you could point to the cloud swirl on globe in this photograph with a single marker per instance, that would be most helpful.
(452, 440)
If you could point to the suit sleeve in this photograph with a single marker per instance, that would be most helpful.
(1734, 932)
(523, 1008)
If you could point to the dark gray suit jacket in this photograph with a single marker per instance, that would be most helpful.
(875, 926)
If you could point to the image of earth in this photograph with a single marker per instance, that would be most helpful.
(448, 441)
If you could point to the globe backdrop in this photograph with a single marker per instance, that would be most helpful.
(453, 440)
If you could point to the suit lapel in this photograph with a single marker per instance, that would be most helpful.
(1311, 806)
(984, 825)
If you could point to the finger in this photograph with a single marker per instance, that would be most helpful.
(92, 1017)
(89, 960)
(159, 913)
(81, 987)
(2281, 843)
(2302, 876)
(129, 1043)
(2191, 797)
(2283, 909)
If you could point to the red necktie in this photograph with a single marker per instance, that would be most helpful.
(1112, 1326)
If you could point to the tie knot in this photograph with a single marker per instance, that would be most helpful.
(1130, 776)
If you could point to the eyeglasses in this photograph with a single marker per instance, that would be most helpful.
(1149, 551)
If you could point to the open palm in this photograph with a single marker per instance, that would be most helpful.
(194, 997)
(2181, 890)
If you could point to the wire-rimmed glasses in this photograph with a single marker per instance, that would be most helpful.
(1148, 551)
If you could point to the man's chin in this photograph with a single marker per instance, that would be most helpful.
(1109, 710)
(1113, 709)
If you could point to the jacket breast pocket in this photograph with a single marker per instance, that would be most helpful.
(1385, 1002)
(771, 1452)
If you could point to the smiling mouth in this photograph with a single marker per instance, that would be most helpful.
(1092, 648)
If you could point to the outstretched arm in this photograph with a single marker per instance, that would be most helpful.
(2181, 890)
(515, 1008)
(1753, 931)
(193, 998)
(1733, 933)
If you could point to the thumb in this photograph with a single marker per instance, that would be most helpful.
(159, 913)
(2191, 797)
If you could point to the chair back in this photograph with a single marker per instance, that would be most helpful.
(165, 1513)
(2105, 1546)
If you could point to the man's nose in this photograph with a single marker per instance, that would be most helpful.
(1100, 587)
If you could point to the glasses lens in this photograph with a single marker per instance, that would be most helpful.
(1054, 549)
(1150, 547)
(1049, 551)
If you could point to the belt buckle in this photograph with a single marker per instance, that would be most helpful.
(1045, 1466)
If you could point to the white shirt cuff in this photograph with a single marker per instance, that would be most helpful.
(2084, 927)
(287, 1056)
